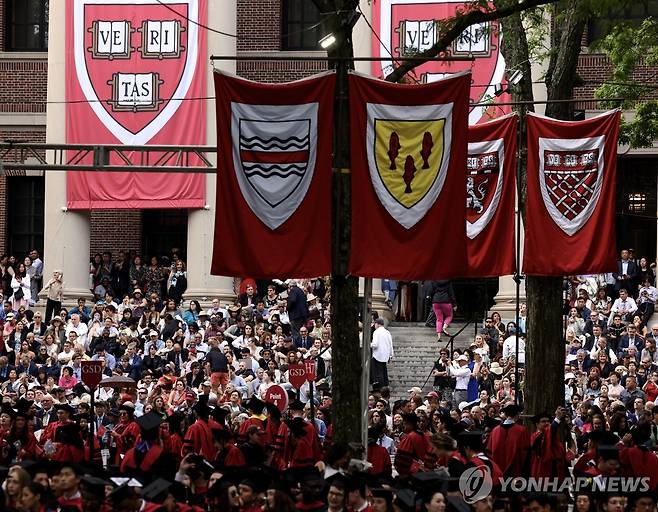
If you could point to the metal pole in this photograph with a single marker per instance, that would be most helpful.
(517, 274)
(346, 59)
(366, 337)
(92, 426)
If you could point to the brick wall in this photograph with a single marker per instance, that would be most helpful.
(115, 230)
(23, 85)
(593, 68)
(259, 29)
(259, 25)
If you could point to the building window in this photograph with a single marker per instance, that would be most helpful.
(637, 203)
(302, 27)
(26, 25)
(25, 200)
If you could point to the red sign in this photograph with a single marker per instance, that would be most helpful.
(130, 67)
(311, 368)
(297, 375)
(92, 372)
(277, 395)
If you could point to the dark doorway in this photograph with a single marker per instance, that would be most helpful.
(636, 206)
(164, 230)
(25, 199)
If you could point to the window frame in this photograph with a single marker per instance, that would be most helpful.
(300, 27)
(13, 26)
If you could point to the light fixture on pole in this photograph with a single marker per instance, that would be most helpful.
(327, 41)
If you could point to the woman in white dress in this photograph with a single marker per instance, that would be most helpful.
(20, 285)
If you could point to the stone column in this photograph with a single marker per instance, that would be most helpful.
(505, 299)
(378, 298)
(66, 233)
(201, 223)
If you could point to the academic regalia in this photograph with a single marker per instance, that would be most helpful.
(481, 459)
(509, 445)
(198, 439)
(548, 455)
(640, 462)
(128, 434)
(380, 459)
(173, 444)
(302, 445)
(413, 450)
(73, 501)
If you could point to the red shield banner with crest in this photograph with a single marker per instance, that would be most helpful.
(407, 27)
(274, 177)
(408, 159)
(570, 213)
(136, 74)
(490, 190)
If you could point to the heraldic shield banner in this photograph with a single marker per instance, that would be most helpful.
(274, 177)
(404, 28)
(490, 190)
(408, 185)
(572, 172)
(135, 75)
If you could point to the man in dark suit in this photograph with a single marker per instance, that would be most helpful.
(632, 338)
(297, 307)
(178, 356)
(304, 341)
(47, 414)
(626, 275)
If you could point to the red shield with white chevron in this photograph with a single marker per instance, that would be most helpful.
(135, 61)
(570, 179)
(484, 183)
(408, 27)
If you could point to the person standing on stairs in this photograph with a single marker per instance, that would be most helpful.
(382, 352)
(444, 304)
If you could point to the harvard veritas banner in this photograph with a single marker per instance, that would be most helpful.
(135, 75)
(274, 177)
(404, 28)
(408, 182)
(570, 207)
(490, 191)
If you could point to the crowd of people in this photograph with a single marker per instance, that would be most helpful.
(182, 418)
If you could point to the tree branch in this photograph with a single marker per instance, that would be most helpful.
(460, 24)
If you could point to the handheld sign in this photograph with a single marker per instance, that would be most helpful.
(277, 395)
(311, 368)
(297, 375)
(92, 373)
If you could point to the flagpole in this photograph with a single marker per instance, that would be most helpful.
(517, 273)
(366, 337)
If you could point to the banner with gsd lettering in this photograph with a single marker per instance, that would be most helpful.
(274, 144)
(135, 75)
(490, 191)
(570, 212)
(408, 185)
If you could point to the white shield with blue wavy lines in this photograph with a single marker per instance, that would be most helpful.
(274, 153)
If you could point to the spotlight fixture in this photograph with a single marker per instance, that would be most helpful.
(327, 41)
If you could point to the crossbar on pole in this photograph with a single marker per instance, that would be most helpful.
(267, 58)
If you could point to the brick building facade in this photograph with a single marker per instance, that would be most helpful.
(263, 27)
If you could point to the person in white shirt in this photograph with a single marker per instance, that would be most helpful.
(382, 352)
(624, 306)
(80, 328)
(647, 299)
(509, 348)
(462, 374)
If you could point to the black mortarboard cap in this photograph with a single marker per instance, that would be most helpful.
(94, 485)
(511, 410)
(539, 416)
(406, 500)
(472, 439)
(457, 504)
(296, 405)
(156, 491)
(65, 407)
(122, 492)
(256, 405)
(23, 405)
(387, 494)
(149, 421)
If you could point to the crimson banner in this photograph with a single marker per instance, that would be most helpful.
(490, 192)
(405, 28)
(408, 185)
(135, 75)
(273, 215)
(570, 212)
